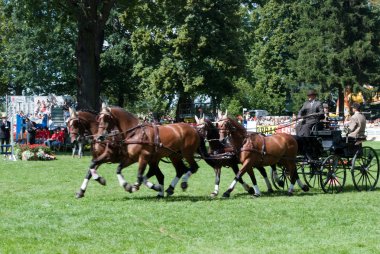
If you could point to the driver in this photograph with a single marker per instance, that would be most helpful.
(311, 112)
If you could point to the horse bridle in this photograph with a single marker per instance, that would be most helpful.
(80, 124)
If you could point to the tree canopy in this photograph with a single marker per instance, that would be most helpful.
(158, 55)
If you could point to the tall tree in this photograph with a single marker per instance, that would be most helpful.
(188, 48)
(91, 17)
(338, 43)
(37, 49)
(273, 27)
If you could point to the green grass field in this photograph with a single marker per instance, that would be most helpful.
(39, 214)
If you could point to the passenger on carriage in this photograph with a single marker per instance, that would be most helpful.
(311, 113)
(356, 125)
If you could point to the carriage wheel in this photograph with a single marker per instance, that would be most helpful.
(282, 177)
(333, 174)
(365, 169)
(311, 174)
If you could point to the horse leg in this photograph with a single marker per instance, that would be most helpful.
(217, 170)
(280, 182)
(92, 172)
(140, 174)
(80, 149)
(246, 187)
(123, 183)
(74, 148)
(293, 178)
(246, 165)
(82, 190)
(93, 169)
(155, 170)
(256, 190)
(193, 169)
(178, 165)
(263, 172)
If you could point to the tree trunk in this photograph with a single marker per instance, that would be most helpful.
(88, 54)
(91, 17)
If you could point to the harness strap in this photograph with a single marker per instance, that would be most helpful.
(263, 147)
(157, 141)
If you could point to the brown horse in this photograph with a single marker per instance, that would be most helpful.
(147, 144)
(81, 123)
(219, 155)
(257, 150)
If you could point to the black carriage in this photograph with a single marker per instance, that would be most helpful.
(326, 156)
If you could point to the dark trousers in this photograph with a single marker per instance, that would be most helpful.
(4, 141)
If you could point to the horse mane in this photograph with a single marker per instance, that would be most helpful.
(213, 132)
(94, 112)
(240, 128)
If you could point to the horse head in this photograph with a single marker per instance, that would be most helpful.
(106, 122)
(73, 125)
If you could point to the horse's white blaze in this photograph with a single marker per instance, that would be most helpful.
(94, 173)
(121, 179)
(84, 184)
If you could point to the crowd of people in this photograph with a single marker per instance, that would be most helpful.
(39, 128)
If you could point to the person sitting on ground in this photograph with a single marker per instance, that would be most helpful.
(357, 123)
(311, 112)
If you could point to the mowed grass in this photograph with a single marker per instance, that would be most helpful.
(39, 214)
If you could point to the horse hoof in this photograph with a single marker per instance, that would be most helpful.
(127, 187)
(270, 191)
(101, 180)
(226, 195)
(160, 196)
(170, 191)
(80, 194)
(290, 193)
(135, 188)
(256, 195)
(251, 191)
(184, 186)
(213, 194)
(281, 183)
(305, 188)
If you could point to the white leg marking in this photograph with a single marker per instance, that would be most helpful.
(174, 181)
(216, 189)
(94, 173)
(232, 186)
(300, 184)
(121, 179)
(84, 184)
(186, 177)
(257, 190)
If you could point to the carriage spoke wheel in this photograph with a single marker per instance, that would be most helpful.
(332, 174)
(282, 176)
(365, 169)
(311, 174)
